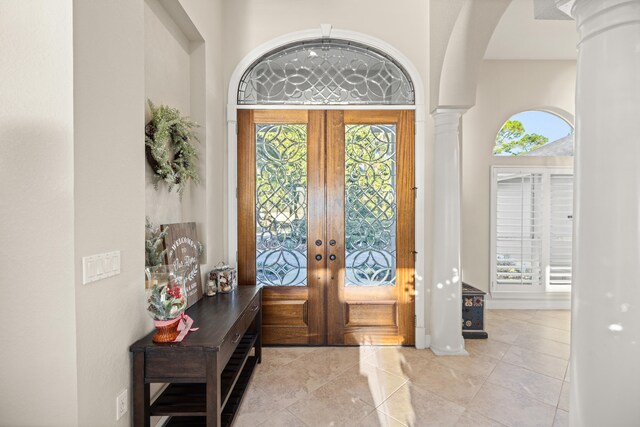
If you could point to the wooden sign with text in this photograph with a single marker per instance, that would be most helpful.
(182, 248)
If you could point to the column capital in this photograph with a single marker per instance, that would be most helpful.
(447, 120)
(596, 16)
(440, 111)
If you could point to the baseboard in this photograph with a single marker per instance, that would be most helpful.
(512, 300)
(422, 339)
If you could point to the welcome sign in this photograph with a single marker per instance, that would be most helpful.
(181, 243)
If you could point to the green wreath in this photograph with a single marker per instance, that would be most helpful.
(169, 148)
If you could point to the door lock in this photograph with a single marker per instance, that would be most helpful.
(332, 242)
(318, 242)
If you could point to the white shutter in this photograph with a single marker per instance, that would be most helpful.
(561, 230)
(519, 230)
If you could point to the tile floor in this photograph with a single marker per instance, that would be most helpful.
(517, 377)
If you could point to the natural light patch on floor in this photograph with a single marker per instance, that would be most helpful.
(517, 377)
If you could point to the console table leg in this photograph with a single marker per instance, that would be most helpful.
(213, 391)
(258, 344)
(140, 392)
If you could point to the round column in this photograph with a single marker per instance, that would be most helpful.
(605, 339)
(446, 290)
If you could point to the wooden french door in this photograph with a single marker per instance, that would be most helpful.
(326, 223)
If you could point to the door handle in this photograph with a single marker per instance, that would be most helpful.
(318, 257)
(332, 257)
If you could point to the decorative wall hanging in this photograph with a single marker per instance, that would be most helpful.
(183, 252)
(169, 145)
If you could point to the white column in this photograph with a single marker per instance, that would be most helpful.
(605, 339)
(446, 297)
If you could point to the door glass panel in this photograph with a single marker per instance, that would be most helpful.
(281, 204)
(370, 205)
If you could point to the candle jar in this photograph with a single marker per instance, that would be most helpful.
(224, 276)
(212, 288)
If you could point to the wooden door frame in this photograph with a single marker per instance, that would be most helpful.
(325, 325)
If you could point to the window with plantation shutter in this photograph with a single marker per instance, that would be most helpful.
(561, 230)
(532, 212)
(519, 229)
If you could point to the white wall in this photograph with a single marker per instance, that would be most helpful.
(208, 108)
(109, 198)
(167, 70)
(504, 89)
(38, 371)
(183, 69)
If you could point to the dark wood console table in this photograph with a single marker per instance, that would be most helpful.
(209, 370)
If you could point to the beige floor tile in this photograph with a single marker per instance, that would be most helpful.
(541, 363)
(545, 346)
(474, 364)
(330, 406)
(561, 419)
(365, 382)
(560, 314)
(550, 321)
(526, 382)
(489, 347)
(283, 418)
(397, 360)
(513, 314)
(505, 330)
(277, 356)
(271, 392)
(552, 334)
(318, 367)
(415, 407)
(380, 419)
(446, 382)
(512, 409)
(563, 403)
(473, 419)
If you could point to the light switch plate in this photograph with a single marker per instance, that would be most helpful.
(100, 266)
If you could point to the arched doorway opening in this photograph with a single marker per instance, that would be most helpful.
(323, 165)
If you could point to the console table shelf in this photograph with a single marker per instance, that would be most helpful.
(209, 370)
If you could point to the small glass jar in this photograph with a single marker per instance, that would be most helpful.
(224, 276)
(212, 288)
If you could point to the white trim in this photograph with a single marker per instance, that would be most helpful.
(420, 140)
(529, 301)
(325, 107)
(422, 339)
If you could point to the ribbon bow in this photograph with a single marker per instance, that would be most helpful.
(185, 326)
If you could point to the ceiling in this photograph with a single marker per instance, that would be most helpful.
(520, 36)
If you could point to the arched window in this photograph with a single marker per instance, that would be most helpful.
(326, 71)
(534, 133)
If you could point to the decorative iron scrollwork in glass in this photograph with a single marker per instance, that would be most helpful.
(281, 204)
(327, 71)
(370, 205)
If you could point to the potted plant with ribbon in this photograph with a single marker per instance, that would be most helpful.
(166, 302)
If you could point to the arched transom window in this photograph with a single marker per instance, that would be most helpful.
(326, 71)
(534, 133)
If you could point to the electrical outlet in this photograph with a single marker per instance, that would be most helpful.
(122, 403)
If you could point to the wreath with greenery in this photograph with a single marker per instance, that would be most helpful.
(170, 152)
